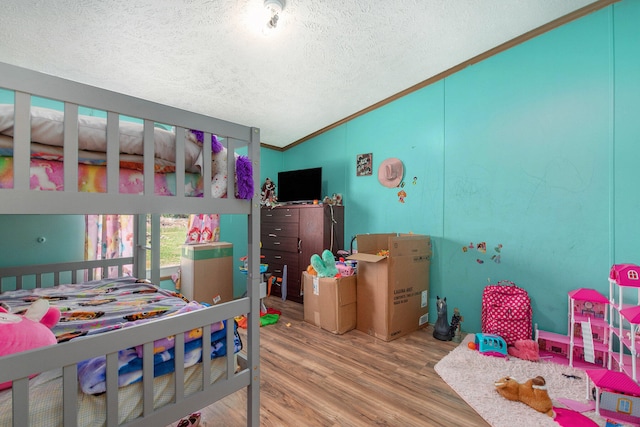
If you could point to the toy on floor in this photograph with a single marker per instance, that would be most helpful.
(455, 330)
(525, 349)
(192, 420)
(441, 330)
(533, 393)
(617, 396)
(491, 345)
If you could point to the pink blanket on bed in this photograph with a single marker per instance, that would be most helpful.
(48, 175)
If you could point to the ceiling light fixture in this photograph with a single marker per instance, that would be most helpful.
(274, 7)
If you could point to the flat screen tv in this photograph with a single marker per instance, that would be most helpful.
(299, 186)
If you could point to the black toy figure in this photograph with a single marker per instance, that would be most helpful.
(456, 325)
(441, 330)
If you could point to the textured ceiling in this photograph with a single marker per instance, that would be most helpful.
(326, 60)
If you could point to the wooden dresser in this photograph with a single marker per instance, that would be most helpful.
(291, 234)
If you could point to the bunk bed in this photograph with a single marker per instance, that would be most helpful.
(155, 398)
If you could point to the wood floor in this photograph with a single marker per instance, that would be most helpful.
(310, 377)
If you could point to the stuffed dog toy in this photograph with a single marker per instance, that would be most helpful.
(533, 393)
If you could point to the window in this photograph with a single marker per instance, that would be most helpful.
(112, 236)
(624, 406)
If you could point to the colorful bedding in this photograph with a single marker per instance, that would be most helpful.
(127, 161)
(108, 304)
(48, 175)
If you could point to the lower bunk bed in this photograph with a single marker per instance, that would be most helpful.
(120, 360)
(128, 352)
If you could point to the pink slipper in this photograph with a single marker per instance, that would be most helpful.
(194, 419)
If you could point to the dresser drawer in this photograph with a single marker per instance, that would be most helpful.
(277, 260)
(283, 244)
(278, 257)
(280, 215)
(279, 229)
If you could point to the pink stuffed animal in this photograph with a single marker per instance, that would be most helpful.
(525, 349)
(33, 330)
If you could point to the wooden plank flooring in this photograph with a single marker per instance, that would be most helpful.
(310, 377)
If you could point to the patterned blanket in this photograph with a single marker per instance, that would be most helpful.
(48, 175)
(108, 304)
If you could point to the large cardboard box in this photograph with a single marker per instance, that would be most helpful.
(329, 302)
(207, 272)
(393, 290)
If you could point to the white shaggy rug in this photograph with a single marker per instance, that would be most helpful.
(471, 375)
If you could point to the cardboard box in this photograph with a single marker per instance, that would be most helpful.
(393, 291)
(329, 302)
(207, 272)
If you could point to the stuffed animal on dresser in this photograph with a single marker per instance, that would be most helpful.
(533, 392)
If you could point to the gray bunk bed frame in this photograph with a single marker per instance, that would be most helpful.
(21, 200)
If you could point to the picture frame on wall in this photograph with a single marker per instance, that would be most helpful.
(364, 164)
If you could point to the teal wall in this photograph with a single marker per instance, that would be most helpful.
(40, 239)
(533, 149)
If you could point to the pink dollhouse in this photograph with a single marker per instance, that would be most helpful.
(625, 275)
(585, 306)
(624, 318)
(617, 395)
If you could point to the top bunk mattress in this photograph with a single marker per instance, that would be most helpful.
(47, 156)
(45, 118)
(47, 131)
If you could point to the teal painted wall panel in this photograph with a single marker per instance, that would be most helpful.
(627, 132)
(21, 239)
(410, 129)
(517, 152)
(270, 163)
(527, 144)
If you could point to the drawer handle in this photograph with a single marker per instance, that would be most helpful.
(278, 229)
(276, 243)
(278, 257)
(277, 271)
(287, 214)
(273, 235)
